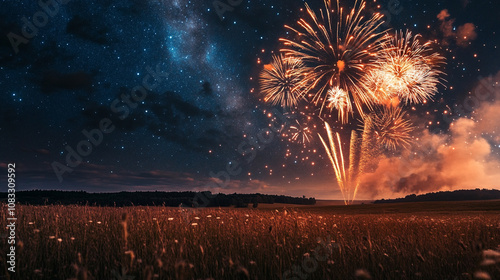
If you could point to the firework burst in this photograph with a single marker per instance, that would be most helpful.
(347, 62)
(282, 81)
(338, 47)
(301, 127)
(392, 129)
(339, 99)
(300, 134)
(406, 69)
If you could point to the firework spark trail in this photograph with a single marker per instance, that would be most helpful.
(390, 124)
(331, 151)
(338, 48)
(341, 156)
(282, 81)
(368, 150)
(354, 154)
(349, 180)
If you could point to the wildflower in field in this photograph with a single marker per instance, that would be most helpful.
(59, 239)
(488, 262)
(125, 230)
(490, 257)
(419, 256)
(131, 254)
(194, 224)
(52, 237)
(491, 254)
(170, 219)
(243, 273)
(481, 275)
(362, 274)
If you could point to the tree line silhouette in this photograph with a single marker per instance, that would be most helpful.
(458, 195)
(152, 198)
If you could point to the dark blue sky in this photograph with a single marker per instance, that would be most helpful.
(88, 55)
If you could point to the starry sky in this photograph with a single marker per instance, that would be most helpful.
(83, 61)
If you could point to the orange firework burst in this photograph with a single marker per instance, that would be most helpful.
(391, 127)
(406, 69)
(282, 81)
(337, 47)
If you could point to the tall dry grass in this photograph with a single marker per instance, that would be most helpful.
(82, 242)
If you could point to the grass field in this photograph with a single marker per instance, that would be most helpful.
(453, 240)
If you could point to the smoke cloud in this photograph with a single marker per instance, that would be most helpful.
(443, 15)
(462, 36)
(465, 157)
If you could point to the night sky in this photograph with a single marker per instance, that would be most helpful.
(202, 104)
